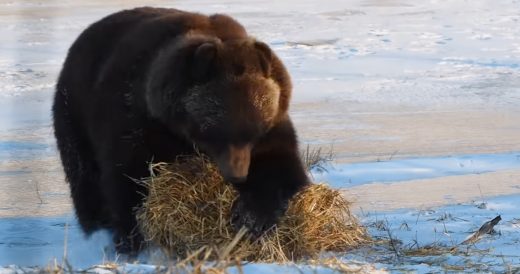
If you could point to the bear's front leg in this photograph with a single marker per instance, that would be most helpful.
(276, 173)
(257, 211)
(122, 162)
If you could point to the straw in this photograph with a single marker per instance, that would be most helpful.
(187, 213)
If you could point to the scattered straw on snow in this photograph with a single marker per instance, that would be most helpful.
(188, 209)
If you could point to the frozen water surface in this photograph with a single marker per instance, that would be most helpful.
(46, 237)
(348, 175)
(429, 88)
(446, 228)
(38, 241)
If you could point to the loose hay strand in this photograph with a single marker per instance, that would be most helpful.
(188, 210)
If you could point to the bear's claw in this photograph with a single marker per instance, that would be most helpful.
(258, 220)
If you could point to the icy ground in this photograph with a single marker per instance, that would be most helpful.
(443, 229)
(40, 241)
(420, 101)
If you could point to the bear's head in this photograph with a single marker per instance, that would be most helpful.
(223, 96)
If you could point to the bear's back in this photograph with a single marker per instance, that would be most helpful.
(129, 38)
(108, 61)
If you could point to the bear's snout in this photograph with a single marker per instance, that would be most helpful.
(234, 163)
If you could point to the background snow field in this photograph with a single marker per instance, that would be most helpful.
(418, 100)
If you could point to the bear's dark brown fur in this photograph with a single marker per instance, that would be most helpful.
(147, 85)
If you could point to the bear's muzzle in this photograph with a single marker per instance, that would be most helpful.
(234, 162)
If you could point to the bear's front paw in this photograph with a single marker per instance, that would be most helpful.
(257, 218)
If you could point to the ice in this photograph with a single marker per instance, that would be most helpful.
(39, 241)
(446, 227)
(387, 171)
(361, 69)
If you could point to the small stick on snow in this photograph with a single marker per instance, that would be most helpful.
(486, 228)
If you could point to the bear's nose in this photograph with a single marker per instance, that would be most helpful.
(236, 180)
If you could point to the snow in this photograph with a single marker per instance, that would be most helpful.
(39, 241)
(46, 238)
(365, 57)
(349, 175)
(448, 227)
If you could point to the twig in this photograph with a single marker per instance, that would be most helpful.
(38, 192)
(392, 155)
(392, 241)
(486, 228)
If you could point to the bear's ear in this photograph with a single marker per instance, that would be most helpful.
(265, 56)
(203, 59)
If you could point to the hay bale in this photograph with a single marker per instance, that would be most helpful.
(188, 210)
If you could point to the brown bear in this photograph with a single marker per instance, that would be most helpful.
(149, 84)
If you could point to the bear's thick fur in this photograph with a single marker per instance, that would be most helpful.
(150, 84)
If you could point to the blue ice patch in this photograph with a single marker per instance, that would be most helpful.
(353, 174)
